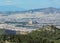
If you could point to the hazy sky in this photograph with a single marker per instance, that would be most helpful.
(30, 4)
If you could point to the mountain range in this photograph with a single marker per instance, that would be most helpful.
(45, 10)
(10, 9)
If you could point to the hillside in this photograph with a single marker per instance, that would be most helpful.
(42, 36)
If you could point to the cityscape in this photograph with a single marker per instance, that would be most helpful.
(29, 21)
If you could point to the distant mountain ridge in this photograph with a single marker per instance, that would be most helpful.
(13, 9)
(10, 8)
(45, 10)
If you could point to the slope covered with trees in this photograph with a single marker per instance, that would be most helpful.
(46, 34)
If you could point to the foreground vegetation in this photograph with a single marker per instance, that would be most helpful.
(47, 34)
